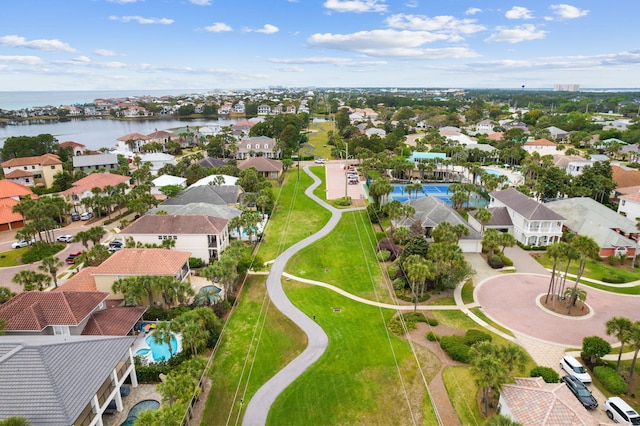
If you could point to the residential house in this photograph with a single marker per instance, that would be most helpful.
(484, 151)
(575, 168)
(558, 134)
(166, 180)
(214, 210)
(431, 211)
(241, 129)
(238, 108)
(541, 146)
(629, 205)
(162, 137)
(614, 233)
(534, 224)
(83, 188)
(33, 171)
(157, 160)
(10, 195)
(206, 237)
(132, 142)
(257, 146)
(375, 131)
(271, 169)
(215, 180)
(485, 126)
(211, 162)
(625, 178)
(91, 163)
(63, 380)
(531, 401)
(264, 109)
(222, 195)
(76, 148)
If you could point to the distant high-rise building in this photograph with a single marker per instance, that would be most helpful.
(566, 87)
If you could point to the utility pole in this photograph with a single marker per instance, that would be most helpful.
(346, 168)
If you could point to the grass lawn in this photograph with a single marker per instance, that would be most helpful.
(345, 258)
(482, 316)
(294, 218)
(10, 257)
(594, 269)
(447, 300)
(280, 341)
(366, 376)
(462, 391)
(318, 137)
(467, 292)
(321, 190)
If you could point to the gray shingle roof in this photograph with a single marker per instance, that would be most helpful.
(211, 194)
(431, 211)
(50, 379)
(214, 210)
(94, 160)
(176, 224)
(525, 206)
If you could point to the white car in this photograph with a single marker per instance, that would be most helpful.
(620, 412)
(65, 238)
(86, 216)
(23, 243)
(574, 368)
(319, 160)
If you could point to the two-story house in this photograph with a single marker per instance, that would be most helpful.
(533, 224)
(206, 237)
(83, 188)
(91, 163)
(257, 146)
(33, 171)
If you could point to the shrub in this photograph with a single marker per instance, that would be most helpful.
(343, 201)
(392, 270)
(549, 375)
(399, 283)
(611, 259)
(505, 260)
(454, 346)
(414, 316)
(383, 255)
(495, 262)
(39, 251)
(432, 321)
(610, 379)
(471, 337)
(195, 262)
(613, 278)
(396, 326)
(432, 337)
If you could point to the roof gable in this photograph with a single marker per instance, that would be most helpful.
(261, 164)
(525, 206)
(176, 224)
(143, 261)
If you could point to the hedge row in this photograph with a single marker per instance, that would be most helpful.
(610, 379)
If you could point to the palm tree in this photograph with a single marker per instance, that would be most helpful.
(491, 240)
(195, 336)
(31, 280)
(512, 357)
(489, 372)
(619, 327)
(586, 248)
(554, 252)
(418, 270)
(483, 216)
(5, 294)
(52, 265)
(634, 341)
(163, 334)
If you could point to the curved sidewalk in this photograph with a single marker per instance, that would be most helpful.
(260, 404)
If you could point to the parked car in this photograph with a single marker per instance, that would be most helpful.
(23, 243)
(65, 238)
(75, 217)
(620, 412)
(575, 369)
(115, 245)
(71, 259)
(319, 160)
(580, 391)
(86, 216)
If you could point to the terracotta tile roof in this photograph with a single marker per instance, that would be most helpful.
(531, 401)
(95, 180)
(35, 310)
(6, 211)
(45, 160)
(82, 281)
(71, 144)
(628, 189)
(176, 224)
(540, 142)
(495, 136)
(631, 197)
(624, 178)
(18, 173)
(134, 137)
(113, 321)
(161, 134)
(143, 261)
(12, 189)
(261, 164)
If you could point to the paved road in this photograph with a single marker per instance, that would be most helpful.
(258, 408)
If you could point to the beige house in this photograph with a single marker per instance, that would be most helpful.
(33, 171)
(83, 188)
(271, 169)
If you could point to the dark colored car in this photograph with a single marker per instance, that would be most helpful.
(71, 259)
(75, 217)
(580, 391)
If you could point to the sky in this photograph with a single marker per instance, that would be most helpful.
(248, 44)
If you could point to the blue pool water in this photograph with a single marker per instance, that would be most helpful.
(147, 404)
(496, 172)
(160, 351)
(143, 352)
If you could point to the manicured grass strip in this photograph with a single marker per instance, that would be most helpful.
(10, 257)
(320, 191)
(318, 137)
(467, 292)
(595, 270)
(344, 258)
(356, 381)
(482, 316)
(449, 300)
(280, 342)
(290, 223)
(612, 288)
(463, 393)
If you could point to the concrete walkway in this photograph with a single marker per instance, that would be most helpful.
(258, 408)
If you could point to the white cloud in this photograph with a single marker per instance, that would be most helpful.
(82, 59)
(566, 11)
(411, 3)
(17, 41)
(356, 6)
(444, 24)
(201, 2)
(518, 12)
(290, 69)
(27, 60)
(268, 29)
(218, 27)
(516, 34)
(122, 1)
(324, 60)
(472, 11)
(141, 20)
(105, 52)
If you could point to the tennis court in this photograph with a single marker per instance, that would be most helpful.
(437, 190)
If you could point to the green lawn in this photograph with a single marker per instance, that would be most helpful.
(594, 269)
(321, 190)
(462, 392)
(364, 374)
(10, 257)
(279, 342)
(482, 316)
(294, 218)
(345, 258)
(318, 138)
(467, 292)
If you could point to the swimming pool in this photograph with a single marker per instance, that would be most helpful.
(156, 352)
(147, 404)
(496, 173)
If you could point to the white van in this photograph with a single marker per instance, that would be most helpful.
(620, 412)
(575, 369)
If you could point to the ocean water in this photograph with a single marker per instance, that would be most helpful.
(29, 99)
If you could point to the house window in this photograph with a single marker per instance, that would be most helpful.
(33, 167)
(61, 330)
(623, 202)
(101, 305)
(53, 167)
(248, 146)
(27, 180)
(25, 167)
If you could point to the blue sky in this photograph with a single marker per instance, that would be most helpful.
(229, 44)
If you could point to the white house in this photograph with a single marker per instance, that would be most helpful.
(166, 180)
(206, 237)
(157, 160)
(485, 126)
(533, 224)
(541, 146)
(91, 163)
(629, 206)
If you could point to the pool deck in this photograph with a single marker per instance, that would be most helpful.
(142, 392)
